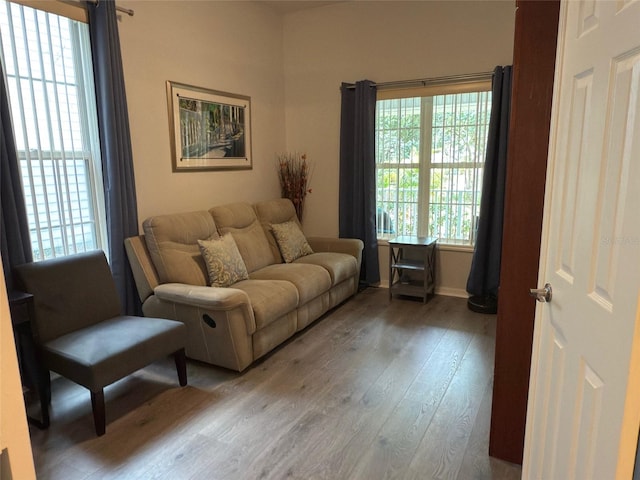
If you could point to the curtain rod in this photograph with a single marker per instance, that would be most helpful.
(424, 82)
(128, 11)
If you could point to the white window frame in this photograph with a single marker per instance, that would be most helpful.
(36, 160)
(425, 164)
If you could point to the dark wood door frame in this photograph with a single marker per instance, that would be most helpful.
(534, 54)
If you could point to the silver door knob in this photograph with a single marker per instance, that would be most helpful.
(542, 294)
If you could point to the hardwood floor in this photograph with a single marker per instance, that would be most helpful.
(375, 390)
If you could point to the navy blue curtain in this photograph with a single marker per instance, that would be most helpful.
(357, 214)
(14, 229)
(115, 145)
(484, 277)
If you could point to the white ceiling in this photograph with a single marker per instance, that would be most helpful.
(289, 6)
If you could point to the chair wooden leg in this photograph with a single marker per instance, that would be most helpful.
(97, 403)
(181, 366)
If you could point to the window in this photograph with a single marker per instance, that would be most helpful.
(49, 73)
(430, 153)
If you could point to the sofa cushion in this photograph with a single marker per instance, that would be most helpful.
(270, 299)
(172, 241)
(310, 280)
(224, 263)
(240, 220)
(340, 266)
(291, 241)
(270, 212)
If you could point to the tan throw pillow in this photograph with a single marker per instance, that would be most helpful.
(224, 262)
(291, 241)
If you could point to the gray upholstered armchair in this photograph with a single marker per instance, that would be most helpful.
(81, 333)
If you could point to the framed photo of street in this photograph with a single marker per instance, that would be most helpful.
(210, 130)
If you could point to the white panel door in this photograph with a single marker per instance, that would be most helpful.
(584, 398)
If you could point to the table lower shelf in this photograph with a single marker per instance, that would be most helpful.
(412, 289)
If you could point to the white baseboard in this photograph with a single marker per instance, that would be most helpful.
(452, 292)
(446, 291)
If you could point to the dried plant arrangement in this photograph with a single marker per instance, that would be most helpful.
(294, 172)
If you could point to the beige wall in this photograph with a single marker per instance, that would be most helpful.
(14, 435)
(291, 67)
(229, 46)
(381, 41)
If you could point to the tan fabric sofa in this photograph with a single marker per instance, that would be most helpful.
(233, 326)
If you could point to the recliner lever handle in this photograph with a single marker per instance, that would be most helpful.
(209, 321)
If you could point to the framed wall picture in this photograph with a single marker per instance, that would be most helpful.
(210, 130)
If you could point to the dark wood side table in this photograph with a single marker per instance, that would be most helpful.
(32, 372)
(423, 262)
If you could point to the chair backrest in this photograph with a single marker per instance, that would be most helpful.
(69, 293)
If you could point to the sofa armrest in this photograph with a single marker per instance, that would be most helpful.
(204, 297)
(220, 321)
(208, 298)
(144, 273)
(352, 246)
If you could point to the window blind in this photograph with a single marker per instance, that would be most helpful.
(49, 79)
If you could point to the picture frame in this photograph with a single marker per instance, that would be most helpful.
(210, 130)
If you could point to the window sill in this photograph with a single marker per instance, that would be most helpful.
(455, 248)
(447, 247)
